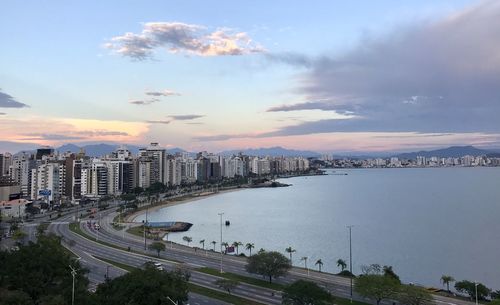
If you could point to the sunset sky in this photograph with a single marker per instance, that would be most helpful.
(329, 76)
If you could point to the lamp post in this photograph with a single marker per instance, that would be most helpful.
(221, 255)
(350, 256)
(475, 284)
(173, 302)
(73, 274)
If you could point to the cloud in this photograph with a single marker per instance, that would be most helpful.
(144, 101)
(434, 76)
(162, 93)
(172, 118)
(159, 122)
(71, 135)
(8, 101)
(185, 117)
(3, 113)
(48, 137)
(318, 105)
(177, 37)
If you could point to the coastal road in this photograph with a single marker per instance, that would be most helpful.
(94, 249)
(337, 285)
(89, 255)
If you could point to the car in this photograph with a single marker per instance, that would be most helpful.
(158, 266)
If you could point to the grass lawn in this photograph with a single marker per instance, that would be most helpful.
(241, 278)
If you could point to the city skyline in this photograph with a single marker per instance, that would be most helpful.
(334, 77)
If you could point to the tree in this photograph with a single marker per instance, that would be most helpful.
(41, 228)
(227, 284)
(40, 270)
(187, 239)
(269, 264)
(304, 259)
(342, 264)
(446, 280)
(495, 294)
(390, 273)
(371, 269)
(413, 295)
(214, 243)
(319, 263)
(157, 246)
(290, 250)
(203, 243)
(376, 286)
(144, 287)
(304, 293)
(237, 244)
(469, 288)
(14, 297)
(249, 247)
(18, 236)
(225, 245)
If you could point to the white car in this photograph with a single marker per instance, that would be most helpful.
(158, 266)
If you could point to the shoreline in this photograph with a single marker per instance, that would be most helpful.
(190, 198)
(178, 201)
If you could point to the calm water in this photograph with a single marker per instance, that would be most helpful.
(423, 222)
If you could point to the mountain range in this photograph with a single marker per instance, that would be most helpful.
(96, 150)
(450, 152)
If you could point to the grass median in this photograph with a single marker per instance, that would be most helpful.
(241, 278)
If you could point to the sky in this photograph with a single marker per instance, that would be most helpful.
(328, 76)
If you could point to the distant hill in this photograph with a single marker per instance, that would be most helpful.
(450, 152)
(272, 151)
(98, 150)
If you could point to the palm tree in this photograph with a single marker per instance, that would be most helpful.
(203, 243)
(290, 250)
(446, 280)
(249, 247)
(304, 258)
(319, 263)
(225, 245)
(237, 244)
(342, 264)
(214, 243)
(187, 239)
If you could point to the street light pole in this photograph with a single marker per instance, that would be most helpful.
(73, 273)
(221, 255)
(144, 229)
(475, 284)
(350, 256)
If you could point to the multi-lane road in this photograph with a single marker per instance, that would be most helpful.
(179, 256)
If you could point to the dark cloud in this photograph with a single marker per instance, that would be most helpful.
(185, 117)
(8, 101)
(436, 76)
(162, 93)
(158, 122)
(3, 113)
(290, 58)
(144, 101)
(319, 105)
(177, 37)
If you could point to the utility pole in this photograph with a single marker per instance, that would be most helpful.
(73, 273)
(144, 229)
(221, 254)
(350, 255)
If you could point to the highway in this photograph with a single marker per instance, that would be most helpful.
(191, 259)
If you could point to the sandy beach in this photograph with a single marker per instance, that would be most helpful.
(177, 201)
